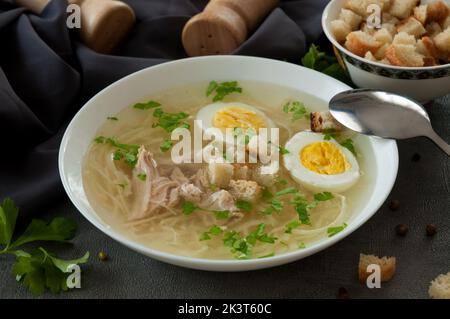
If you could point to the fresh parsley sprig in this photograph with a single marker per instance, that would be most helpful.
(348, 143)
(38, 270)
(324, 63)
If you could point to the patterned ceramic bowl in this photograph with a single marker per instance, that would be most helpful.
(422, 84)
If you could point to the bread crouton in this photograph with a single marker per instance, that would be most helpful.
(404, 55)
(359, 43)
(420, 13)
(426, 47)
(352, 19)
(385, 61)
(402, 9)
(389, 27)
(433, 29)
(442, 40)
(381, 53)
(340, 29)
(404, 38)
(322, 121)
(440, 287)
(369, 56)
(437, 12)
(387, 267)
(383, 36)
(357, 6)
(220, 174)
(245, 190)
(412, 26)
(389, 18)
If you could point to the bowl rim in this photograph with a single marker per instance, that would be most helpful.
(331, 38)
(217, 264)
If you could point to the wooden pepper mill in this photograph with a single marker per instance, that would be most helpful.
(104, 23)
(224, 25)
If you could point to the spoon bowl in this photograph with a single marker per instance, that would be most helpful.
(383, 114)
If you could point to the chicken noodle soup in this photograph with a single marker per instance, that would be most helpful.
(225, 209)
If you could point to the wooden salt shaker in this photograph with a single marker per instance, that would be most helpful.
(224, 25)
(104, 23)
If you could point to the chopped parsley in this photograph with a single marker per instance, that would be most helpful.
(112, 118)
(220, 90)
(292, 225)
(331, 231)
(166, 145)
(146, 106)
(188, 207)
(222, 214)
(212, 231)
(348, 144)
(244, 205)
(301, 246)
(170, 121)
(126, 152)
(297, 109)
(330, 134)
(282, 150)
(142, 177)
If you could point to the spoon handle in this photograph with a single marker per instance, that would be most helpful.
(439, 142)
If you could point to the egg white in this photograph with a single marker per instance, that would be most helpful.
(314, 181)
(206, 114)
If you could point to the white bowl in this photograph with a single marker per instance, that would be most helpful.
(422, 84)
(140, 85)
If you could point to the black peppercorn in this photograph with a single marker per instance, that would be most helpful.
(431, 230)
(343, 293)
(102, 256)
(416, 157)
(401, 229)
(395, 205)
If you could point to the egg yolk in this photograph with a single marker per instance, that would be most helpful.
(324, 158)
(233, 117)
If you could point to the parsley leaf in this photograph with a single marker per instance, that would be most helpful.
(329, 134)
(212, 231)
(127, 152)
(146, 106)
(322, 197)
(289, 190)
(282, 150)
(331, 231)
(244, 205)
(297, 109)
(292, 225)
(222, 214)
(188, 207)
(8, 217)
(327, 64)
(59, 229)
(40, 270)
(142, 177)
(170, 121)
(222, 89)
(166, 145)
(348, 144)
(301, 246)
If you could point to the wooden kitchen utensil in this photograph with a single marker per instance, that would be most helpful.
(224, 25)
(104, 23)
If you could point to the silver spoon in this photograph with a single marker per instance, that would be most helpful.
(383, 114)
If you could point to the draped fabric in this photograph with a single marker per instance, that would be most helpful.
(46, 75)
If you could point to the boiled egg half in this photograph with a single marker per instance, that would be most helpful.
(320, 165)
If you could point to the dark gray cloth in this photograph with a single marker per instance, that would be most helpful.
(424, 193)
(46, 75)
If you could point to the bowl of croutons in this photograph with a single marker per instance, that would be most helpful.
(402, 46)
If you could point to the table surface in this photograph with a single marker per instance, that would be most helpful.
(423, 188)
